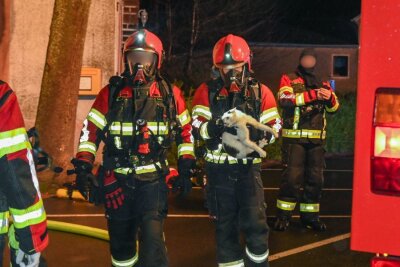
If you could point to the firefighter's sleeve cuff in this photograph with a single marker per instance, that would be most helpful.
(204, 132)
(186, 149)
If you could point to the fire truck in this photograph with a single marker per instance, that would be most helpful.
(375, 226)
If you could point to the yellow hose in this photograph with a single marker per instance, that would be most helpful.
(78, 229)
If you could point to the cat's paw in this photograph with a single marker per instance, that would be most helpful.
(263, 154)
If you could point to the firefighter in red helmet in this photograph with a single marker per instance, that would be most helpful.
(136, 116)
(19, 188)
(235, 195)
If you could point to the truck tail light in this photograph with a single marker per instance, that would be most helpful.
(385, 162)
(385, 262)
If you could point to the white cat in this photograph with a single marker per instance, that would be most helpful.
(241, 142)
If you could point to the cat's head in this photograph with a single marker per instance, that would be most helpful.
(231, 117)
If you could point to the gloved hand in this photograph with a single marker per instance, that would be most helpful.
(113, 192)
(25, 260)
(215, 127)
(84, 177)
(183, 184)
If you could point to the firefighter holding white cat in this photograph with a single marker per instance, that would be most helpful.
(304, 99)
(235, 193)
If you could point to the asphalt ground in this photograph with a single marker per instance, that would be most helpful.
(190, 233)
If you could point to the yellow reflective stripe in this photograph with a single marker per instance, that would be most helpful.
(239, 263)
(186, 149)
(127, 128)
(309, 207)
(335, 107)
(162, 128)
(140, 169)
(269, 115)
(115, 127)
(4, 222)
(87, 146)
(97, 118)
(203, 131)
(257, 258)
(285, 205)
(13, 141)
(286, 89)
(147, 168)
(123, 170)
(184, 117)
(203, 111)
(300, 99)
(257, 160)
(312, 134)
(25, 217)
(125, 263)
(12, 238)
(220, 158)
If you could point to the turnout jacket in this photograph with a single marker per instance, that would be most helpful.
(19, 188)
(116, 125)
(302, 113)
(211, 101)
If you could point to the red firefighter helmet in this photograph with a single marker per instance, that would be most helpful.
(146, 41)
(231, 52)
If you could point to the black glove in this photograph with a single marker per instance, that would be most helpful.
(215, 127)
(183, 184)
(84, 177)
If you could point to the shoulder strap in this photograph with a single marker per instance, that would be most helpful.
(168, 98)
(116, 83)
(214, 86)
(256, 96)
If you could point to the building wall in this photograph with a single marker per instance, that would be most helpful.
(271, 61)
(30, 30)
(4, 37)
(99, 51)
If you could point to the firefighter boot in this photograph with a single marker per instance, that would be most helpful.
(281, 223)
(312, 221)
(316, 225)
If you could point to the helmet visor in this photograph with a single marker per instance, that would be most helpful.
(138, 59)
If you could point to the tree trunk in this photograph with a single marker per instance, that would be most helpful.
(169, 29)
(193, 38)
(56, 116)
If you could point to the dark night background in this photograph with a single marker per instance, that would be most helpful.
(276, 21)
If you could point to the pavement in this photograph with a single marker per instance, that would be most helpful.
(190, 233)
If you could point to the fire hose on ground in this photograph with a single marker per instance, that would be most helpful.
(78, 229)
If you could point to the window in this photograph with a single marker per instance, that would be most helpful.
(340, 66)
